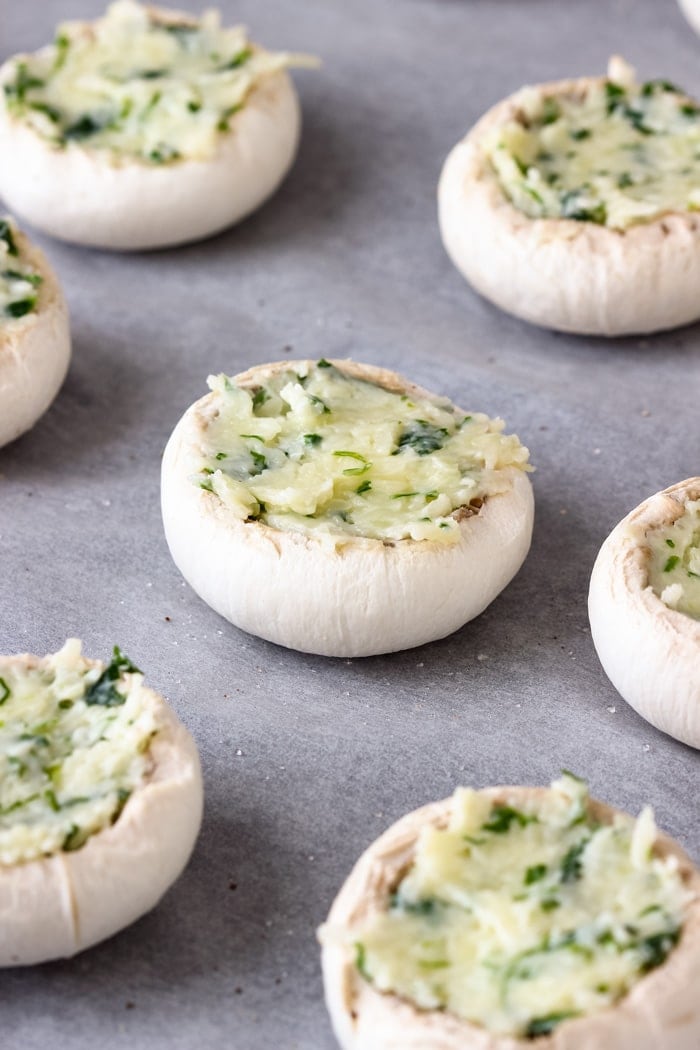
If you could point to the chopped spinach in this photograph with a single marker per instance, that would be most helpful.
(320, 406)
(103, 691)
(427, 906)
(502, 817)
(361, 960)
(572, 864)
(260, 397)
(656, 947)
(652, 86)
(572, 207)
(16, 90)
(238, 60)
(422, 437)
(259, 462)
(85, 127)
(545, 1025)
(551, 111)
(6, 235)
(20, 307)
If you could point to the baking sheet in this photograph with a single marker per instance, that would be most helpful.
(305, 759)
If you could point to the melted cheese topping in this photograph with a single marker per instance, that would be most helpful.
(19, 282)
(674, 573)
(73, 743)
(315, 450)
(617, 154)
(518, 919)
(138, 85)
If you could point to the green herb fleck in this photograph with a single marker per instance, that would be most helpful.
(238, 60)
(670, 543)
(5, 691)
(322, 363)
(579, 134)
(103, 691)
(361, 960)
(65, 705)
(503, 816)
(84, 128)
(655, 948)
(53, 802)
(259, 461)
(535, 873)
(572, 864)
(671, 563)
(319, 405)
(221, 455)
(551, 111)
(312, 440)
(7, 236)
(545, 1025)
(260, 397)
(550, 904)
(75, 838)
(422, 437)
(365, 486)
(20, 307)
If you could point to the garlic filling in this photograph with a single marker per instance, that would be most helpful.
(517, 919)
(19, 282)
(314, 450)
(73, 743)
(674, 571)
(615, 153)
(139, 84)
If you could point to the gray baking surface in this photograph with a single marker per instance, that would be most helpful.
(306, 760)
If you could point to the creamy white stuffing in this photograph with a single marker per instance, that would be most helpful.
(73, 746)
(674, 571)
(617, 153)
(137, 84)
(518, 918)
(316, 451)
(19, 282)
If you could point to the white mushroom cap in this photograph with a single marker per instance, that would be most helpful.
(34, 351)
(650, 652)
(561, 273)
(691, 10)
(59, 905)
(365, 597)
(88, 196)
(660, 1012)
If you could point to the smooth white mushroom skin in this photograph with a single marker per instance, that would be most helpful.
(34, 348)
(335, 594)
(691, 10)
(650, 652)
(56, 905)
(660, 1010)
(574, 274)
(133, 195)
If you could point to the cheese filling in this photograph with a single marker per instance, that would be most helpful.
(616, 153)
(317, 451)
(674, 572)
(518, 918)
(73, 743)
(19, 282)
(135, 84)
